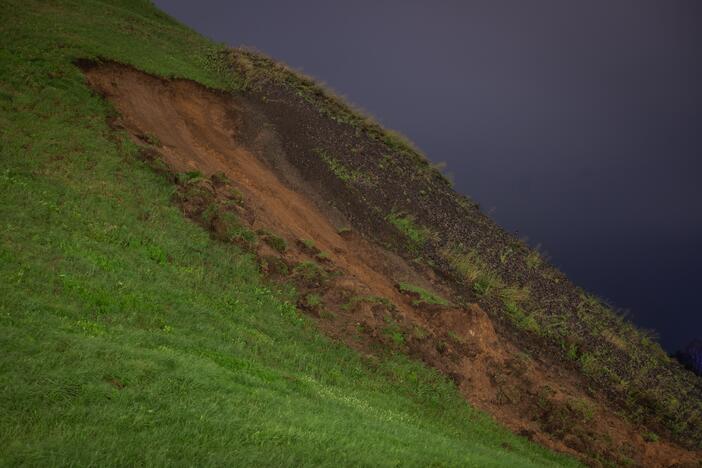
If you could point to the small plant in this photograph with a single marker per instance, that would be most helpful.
(505, 254)
(340, 170)
(518, 295)
(312, 301)
(322, 257)
(152, 139)
(420, 333)
(533, 260)
(455, 338)
(394, 331)
(236, 197)
(588, 364)
(422, 295)
(309, 243)
(277, 243)
(483, 285)
(651, 437)
(473, 270)
(274, 265)
(521, 319)
(310, 272)
(185, 177)
(416, 235)
(227, 227)
(583, 409)
(397, 337)
(572, 352)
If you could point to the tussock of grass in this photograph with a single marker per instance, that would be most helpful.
(474, 271)
(277, 243)
(343, 172)
(310, 272)
(521, 318)
(417, 236)
(424, 296)
(309, 244)
(393, 331)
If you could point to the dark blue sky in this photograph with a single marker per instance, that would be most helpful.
(576, 124)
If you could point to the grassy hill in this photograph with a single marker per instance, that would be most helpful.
(346, 321)
(129, 336)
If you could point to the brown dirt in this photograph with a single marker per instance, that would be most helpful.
(192, 128)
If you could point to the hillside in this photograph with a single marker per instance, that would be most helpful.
(207, 258)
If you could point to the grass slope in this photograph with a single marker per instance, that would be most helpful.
(128, 336)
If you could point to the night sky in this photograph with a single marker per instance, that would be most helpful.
(577, 125)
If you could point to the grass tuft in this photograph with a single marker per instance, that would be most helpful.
(417, 236)
(422, 295)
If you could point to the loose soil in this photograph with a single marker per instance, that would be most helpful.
(347, 280)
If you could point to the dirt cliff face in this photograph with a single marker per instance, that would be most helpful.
(265, 169)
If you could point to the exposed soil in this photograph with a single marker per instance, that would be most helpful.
(348, 280)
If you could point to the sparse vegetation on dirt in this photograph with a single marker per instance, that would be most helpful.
(463, 243)
(276, 242)
(416, 235)
(422, 296)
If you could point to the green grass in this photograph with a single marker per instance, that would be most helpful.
(129, 335)
(474, 271)
(341, 171)
(417, 236)
(277, 243)
(308, 243)
(425, 297)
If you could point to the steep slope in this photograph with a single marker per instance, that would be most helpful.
(129, 336)
(383, 256)
(359, 291)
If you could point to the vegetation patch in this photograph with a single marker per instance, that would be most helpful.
(277, 243)
(310, 273)
(312, 302)
(323, 257)
(417, 236)
(343, 172)
(474, 271)
(521, 318)
(422, 296)
(309, 246)
(394, 332)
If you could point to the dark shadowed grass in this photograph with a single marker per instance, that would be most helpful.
(129, 336)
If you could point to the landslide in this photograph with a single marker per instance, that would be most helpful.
(372, 238)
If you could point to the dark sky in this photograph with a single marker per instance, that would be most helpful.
(576, 124)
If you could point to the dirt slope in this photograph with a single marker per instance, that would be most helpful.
(349, 281)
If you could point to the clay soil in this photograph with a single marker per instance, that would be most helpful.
(348, 282)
